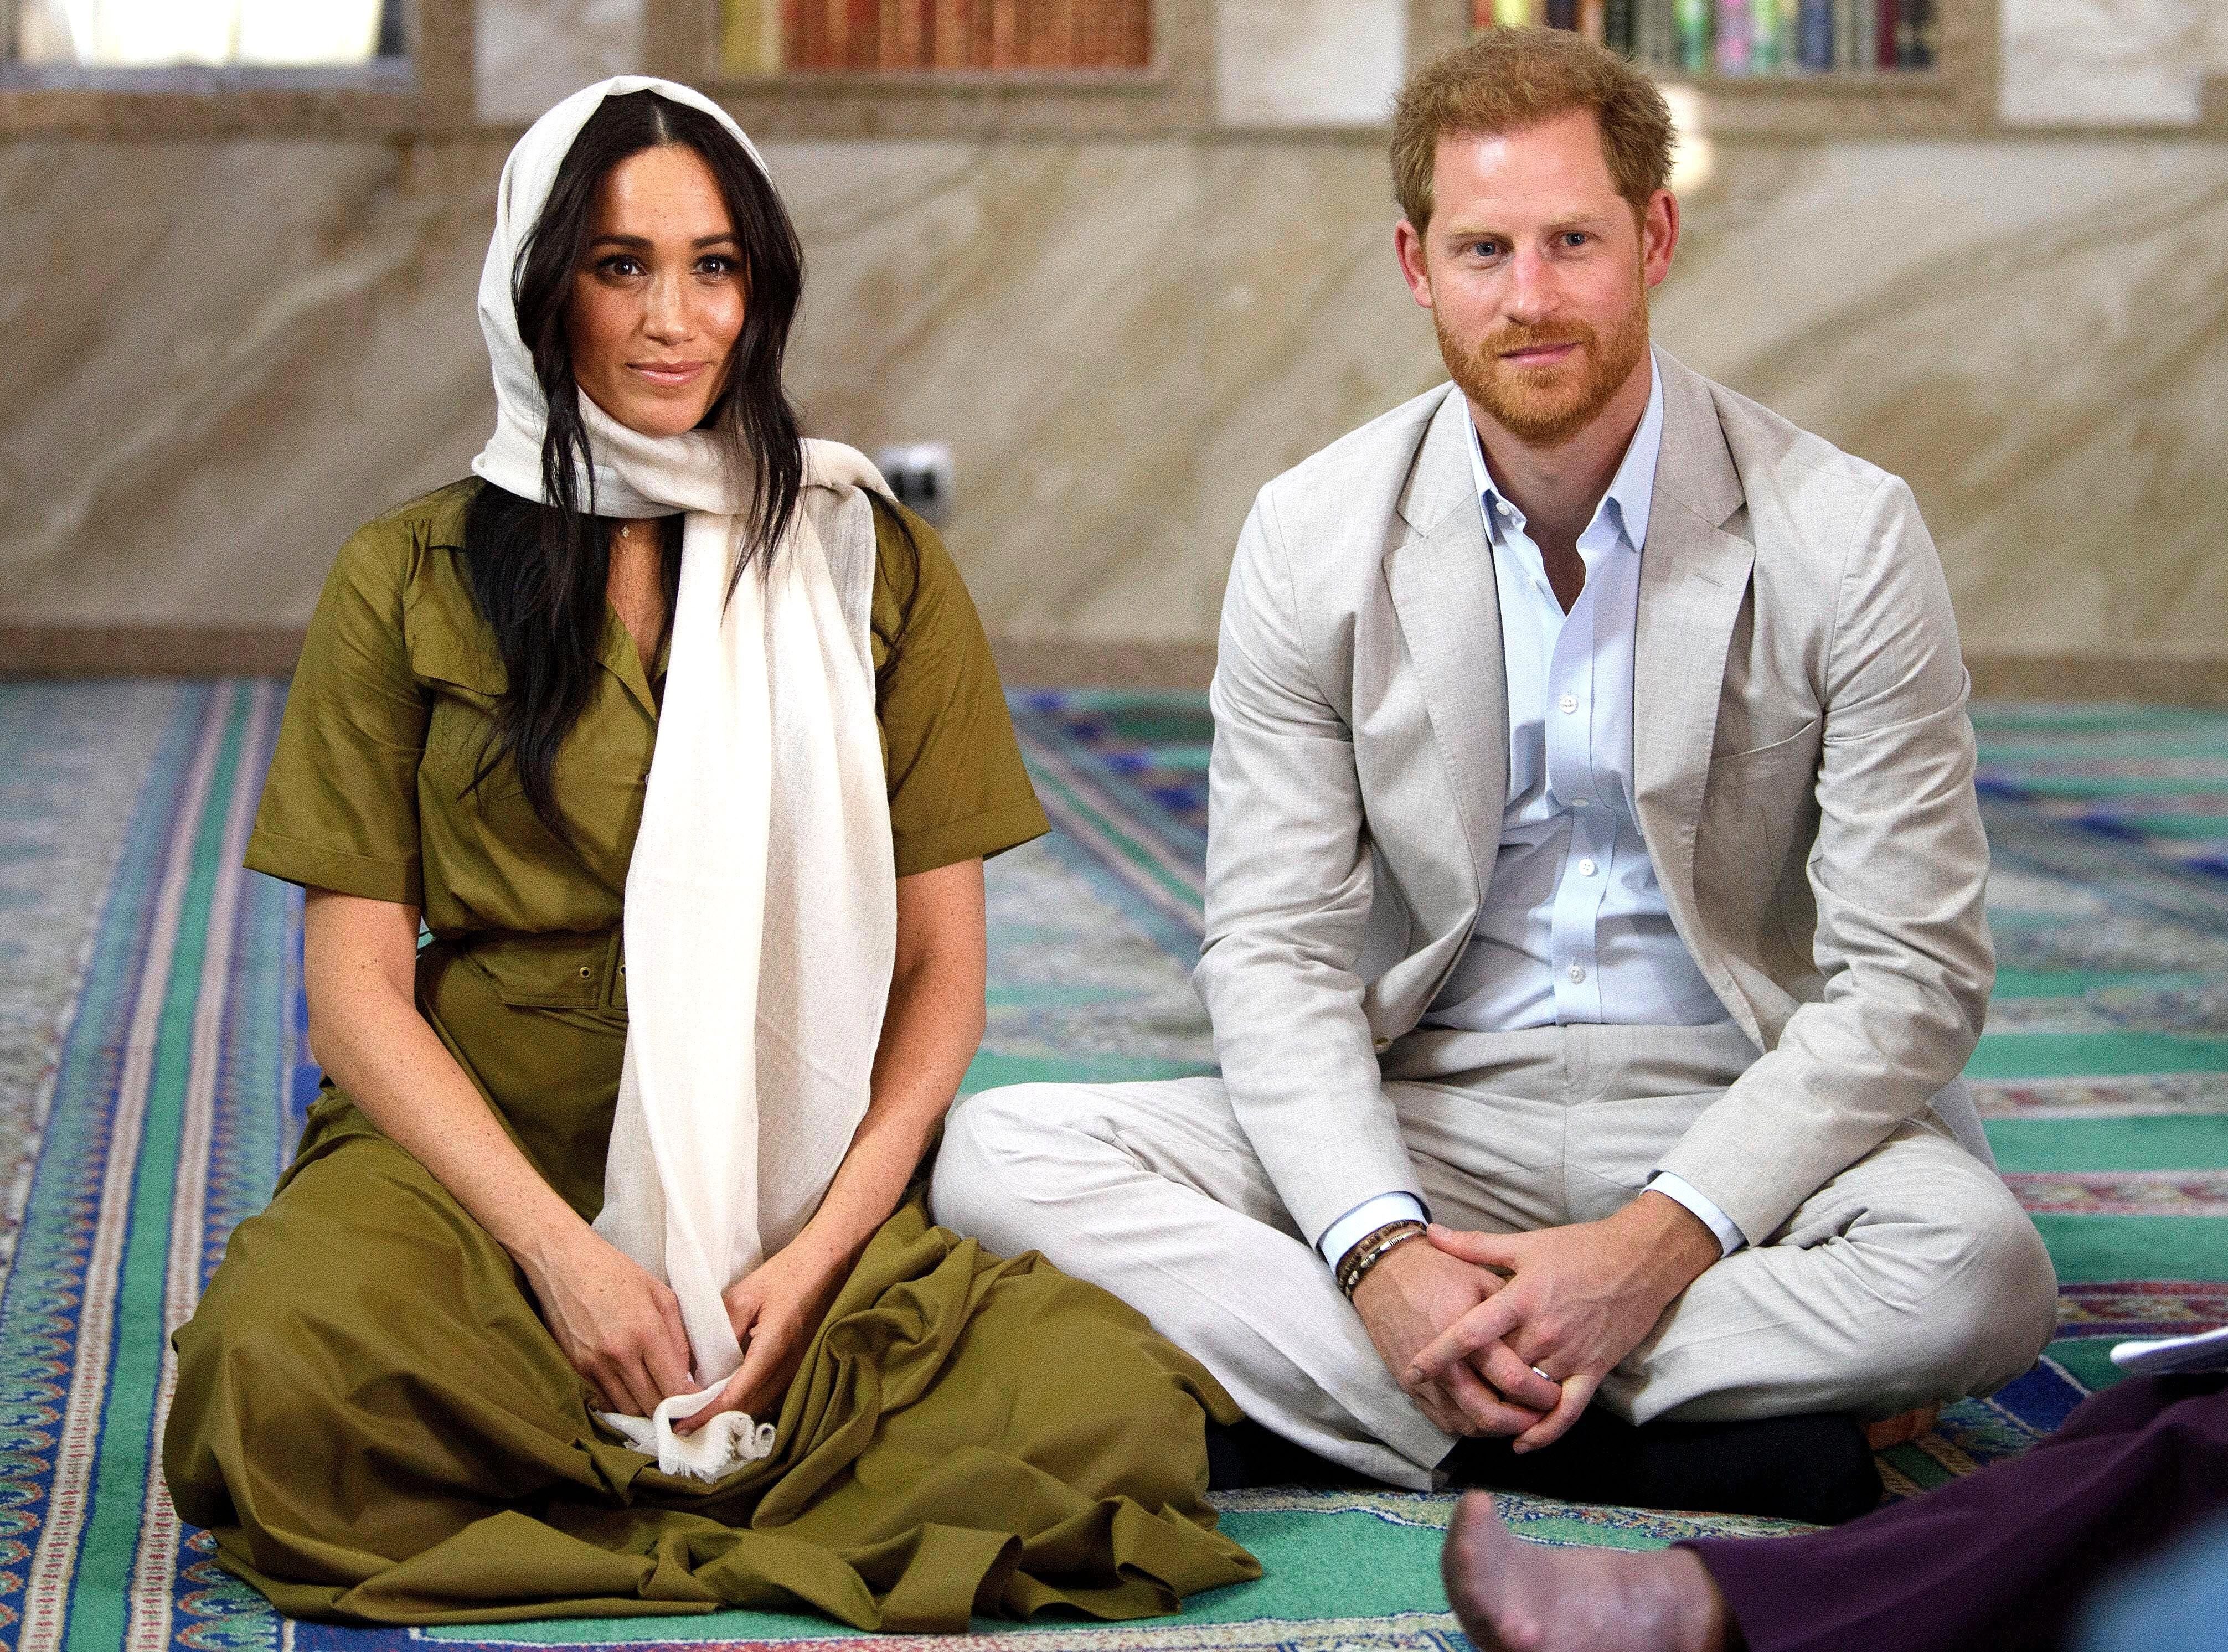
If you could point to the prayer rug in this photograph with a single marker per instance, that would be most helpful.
(152, 1075)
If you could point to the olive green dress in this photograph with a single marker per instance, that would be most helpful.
(369, 1414)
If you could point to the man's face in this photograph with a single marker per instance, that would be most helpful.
(1537, 273)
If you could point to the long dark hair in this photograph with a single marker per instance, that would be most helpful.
(538, 572)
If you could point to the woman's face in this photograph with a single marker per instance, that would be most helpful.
(657, 302)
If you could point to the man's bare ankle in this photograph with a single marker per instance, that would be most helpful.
(1705, 1625)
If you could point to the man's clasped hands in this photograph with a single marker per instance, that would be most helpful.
(1509, 1334)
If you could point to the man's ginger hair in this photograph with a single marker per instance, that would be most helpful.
(1511, 80)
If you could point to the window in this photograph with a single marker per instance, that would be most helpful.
(205, 68)
(139, 43)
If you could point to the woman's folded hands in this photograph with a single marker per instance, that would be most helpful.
(775, 1308)
(618, 1324)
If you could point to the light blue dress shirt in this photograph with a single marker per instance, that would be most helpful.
(1574, 927)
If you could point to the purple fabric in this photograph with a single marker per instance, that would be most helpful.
(1999, 1559)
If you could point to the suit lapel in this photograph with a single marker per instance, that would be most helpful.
(1442, 585)
(1693, 578)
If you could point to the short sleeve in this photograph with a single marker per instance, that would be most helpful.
(957, 788)
(340, 804)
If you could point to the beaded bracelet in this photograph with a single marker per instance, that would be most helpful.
(1371, 1250)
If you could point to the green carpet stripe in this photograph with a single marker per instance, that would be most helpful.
(2175, 1142)
(2072, 1055)
(2087, 1250)
(99, 1596)
(2071, 983)
(2102, 786)
(1121, 841)
(990, 1070)
(2010, 717)
(2122, 746)
(2181, 828)
(1308, 1560)
(2088, 1360)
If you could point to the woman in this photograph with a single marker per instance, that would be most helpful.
(515, 1204)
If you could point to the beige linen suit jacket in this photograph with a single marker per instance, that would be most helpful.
(1802, 766)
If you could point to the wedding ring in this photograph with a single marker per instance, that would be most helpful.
(1544, 1377)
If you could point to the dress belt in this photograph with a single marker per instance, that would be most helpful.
(566, 970)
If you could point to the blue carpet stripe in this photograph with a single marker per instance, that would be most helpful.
(39, 1322)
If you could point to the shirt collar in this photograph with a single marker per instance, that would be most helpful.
(1631, 493)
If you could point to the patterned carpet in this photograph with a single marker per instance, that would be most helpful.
(151, 1075)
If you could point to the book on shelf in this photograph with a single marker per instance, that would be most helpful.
(1767, 49)
(1694, 20)
(1618, 30)
(1736, 36)
(947, 34)
(1562, 14)
(1813, 29)
(1846, 13)
(752, 36)
(1914, 35)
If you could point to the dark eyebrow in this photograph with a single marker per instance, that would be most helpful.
(642, 242)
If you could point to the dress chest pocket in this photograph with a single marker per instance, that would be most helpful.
(467, 682)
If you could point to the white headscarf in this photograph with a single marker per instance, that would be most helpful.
(761, 905)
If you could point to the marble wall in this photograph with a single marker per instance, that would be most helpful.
(223, 354)
(529, 54)
(2109, 62)
(1308, 63)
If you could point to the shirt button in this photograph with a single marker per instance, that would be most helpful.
(1577, 972)
(1582, 802)
(1569, 702)
(1586, 868)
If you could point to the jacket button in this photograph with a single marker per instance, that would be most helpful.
(622, 969)
(1382, 1043)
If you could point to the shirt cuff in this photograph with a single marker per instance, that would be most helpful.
(1365, 1218)
(1679, 1191)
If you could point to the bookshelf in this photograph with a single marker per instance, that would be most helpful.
(1938, 77)
(930, 68)
(760, 37)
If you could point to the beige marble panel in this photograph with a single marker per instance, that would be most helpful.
(1121, 343)
(529, 54)
(2035, 335)
(221, 358)
(2109, 62)
(1308, 62)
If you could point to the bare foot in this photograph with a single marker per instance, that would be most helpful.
(1902, 1428)
(1512, 1596)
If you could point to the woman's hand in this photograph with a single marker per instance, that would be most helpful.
(619, 1327)
(775, 1308)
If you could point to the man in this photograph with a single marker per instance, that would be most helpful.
(1593, 866)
